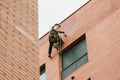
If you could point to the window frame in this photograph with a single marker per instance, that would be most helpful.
(43, 67)
(70, 47)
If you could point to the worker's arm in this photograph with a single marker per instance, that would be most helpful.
(61, 32)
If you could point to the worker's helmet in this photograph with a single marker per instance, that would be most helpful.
(56, 26)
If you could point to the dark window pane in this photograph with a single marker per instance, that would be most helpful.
(75, 57)
(74, 53)
(42, 73)
(42, 70)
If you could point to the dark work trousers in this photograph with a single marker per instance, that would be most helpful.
(59, 41)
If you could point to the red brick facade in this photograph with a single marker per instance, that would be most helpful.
(99, 20)
(18, 40)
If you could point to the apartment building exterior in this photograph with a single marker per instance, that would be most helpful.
(91, 48)
(18, 40)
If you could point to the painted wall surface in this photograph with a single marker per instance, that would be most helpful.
(99, 20)
(18, 40)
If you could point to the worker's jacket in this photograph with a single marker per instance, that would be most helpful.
(53, 36)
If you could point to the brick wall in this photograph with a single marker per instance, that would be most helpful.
(99, 20)
(18, 40)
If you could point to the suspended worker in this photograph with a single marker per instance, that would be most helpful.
(54, 38)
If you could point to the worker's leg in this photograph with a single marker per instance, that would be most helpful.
(60, 41)
(59, 44)
(50, 48)
(55, 45)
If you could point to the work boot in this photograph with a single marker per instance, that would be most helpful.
(49, 56)
(56, 47)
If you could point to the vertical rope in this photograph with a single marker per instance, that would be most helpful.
(59, 45)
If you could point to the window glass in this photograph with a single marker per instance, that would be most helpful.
(75, 57)
(42, 73)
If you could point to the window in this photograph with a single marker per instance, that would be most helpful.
(74, 57)
(42, 73)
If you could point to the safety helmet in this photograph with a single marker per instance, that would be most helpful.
(57, 26)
